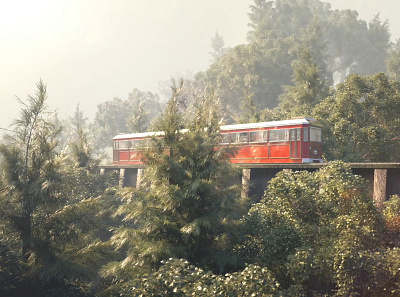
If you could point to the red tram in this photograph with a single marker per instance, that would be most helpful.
(292, 141)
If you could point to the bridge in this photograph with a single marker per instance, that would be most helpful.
(383, 179)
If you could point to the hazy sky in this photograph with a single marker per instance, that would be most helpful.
(89, 51)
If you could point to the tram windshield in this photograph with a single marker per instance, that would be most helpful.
(315, 134)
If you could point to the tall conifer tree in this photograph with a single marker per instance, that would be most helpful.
(29, 169)
(186, 205)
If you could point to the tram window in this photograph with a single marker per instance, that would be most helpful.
(136, 143)
(295, 134)
(305, 134)
(259, 136)
(315, 134)
(279, 135)
(125, 144)
(149, 142)
(240, 137)
(146, 143)
(142, 143)
(225, 138)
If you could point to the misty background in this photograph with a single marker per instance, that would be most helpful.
(88, 52)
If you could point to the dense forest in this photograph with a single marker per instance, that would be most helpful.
(67, 230)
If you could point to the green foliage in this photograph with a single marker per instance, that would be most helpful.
(344, 44)
(11, 271)
(121, 116)
(258, 69)
(372, 60)
(68, 241)
(361, 121)
(313, 40)
(301, 41)
(391, 213)
(70, 127)
(249, 111)
(145, 107)
(393, 61)
(80, 149)
(51, 204)
(179, 278)
(347, 34)
(217, 44)
(319, 233)
(355, 46)
(29, 168)
(283, 18)
(111, 119)
(308, 89)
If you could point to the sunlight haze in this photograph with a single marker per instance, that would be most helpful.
(90, 51)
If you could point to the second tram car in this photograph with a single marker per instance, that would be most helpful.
(297, 140)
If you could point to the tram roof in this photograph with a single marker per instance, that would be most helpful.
(292, 122)
(138, 135)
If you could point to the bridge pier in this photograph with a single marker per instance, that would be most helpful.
(121, 177)
(246, 175)
(380, 180)
(139, 177)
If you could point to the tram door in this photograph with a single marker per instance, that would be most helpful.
(295, 145)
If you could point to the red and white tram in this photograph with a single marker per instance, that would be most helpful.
(292, 141)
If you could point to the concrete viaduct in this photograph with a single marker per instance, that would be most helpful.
(383, 179)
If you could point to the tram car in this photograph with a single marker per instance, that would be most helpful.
(297, 140)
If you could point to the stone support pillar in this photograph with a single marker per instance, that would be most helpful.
(121, 177)
(139, 177)
(245, 182)
(380, 177)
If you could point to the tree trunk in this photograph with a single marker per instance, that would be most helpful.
(26, 234)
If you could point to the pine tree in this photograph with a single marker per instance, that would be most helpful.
(29, 167)
(393, 62)
(217, 44)
(249, 111)
(145, 107)
(308, 89)
(48, 202)
(186, 205)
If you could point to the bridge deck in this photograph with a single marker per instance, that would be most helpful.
(284, 165)
(383, 178)
(319, 165)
